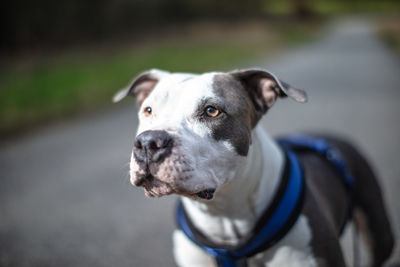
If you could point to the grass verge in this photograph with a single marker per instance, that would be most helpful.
(39, 89)
(389, 31)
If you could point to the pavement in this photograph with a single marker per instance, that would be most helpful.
(65, 196)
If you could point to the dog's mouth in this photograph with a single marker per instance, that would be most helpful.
(154, 187)
(143, 179)
(207, 194)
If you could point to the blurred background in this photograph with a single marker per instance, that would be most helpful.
(65, 196)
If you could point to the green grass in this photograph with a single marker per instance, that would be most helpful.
(393, 40)
(334, 7)
(389, 32)
(49, 90)
(73, 82)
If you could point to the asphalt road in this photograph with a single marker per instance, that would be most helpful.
(65, 196)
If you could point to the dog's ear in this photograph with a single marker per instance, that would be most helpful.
(264, 88)
(141, 86)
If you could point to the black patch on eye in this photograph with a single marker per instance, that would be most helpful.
(205, 103)
(234, 124)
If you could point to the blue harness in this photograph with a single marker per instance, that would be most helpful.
(281, 214)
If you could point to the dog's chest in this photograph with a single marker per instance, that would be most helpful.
(292, 250)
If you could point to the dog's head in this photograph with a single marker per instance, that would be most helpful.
(195, 130)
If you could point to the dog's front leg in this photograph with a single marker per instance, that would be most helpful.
(188, 254)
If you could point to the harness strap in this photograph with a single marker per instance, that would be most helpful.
(323, 148)
(279, 217)
(326, 150)
(275, 222)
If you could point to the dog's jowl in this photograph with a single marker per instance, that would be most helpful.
(247, 199)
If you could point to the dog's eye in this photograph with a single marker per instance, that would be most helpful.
(212, 112)
(147, 111)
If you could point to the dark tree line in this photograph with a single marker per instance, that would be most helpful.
(26, 23)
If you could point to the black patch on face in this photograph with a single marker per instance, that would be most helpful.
(234, 124)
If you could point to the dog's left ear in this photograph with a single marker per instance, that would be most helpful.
(141, 86)
(264, 88)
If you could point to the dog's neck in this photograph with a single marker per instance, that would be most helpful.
(239, 203)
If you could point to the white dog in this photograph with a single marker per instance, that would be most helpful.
(247, 200)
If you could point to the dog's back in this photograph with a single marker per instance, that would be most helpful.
(333, 196)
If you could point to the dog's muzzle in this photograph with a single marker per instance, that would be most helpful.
(150, 150)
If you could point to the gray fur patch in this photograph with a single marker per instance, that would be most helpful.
(236, 121)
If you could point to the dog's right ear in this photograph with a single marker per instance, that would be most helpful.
(141, 86)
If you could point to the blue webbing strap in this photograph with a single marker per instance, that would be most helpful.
(322, 147)
(331, 154)
(271, 231)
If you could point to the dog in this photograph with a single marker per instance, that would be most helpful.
(199, 137)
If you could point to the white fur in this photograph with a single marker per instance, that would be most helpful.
(174, 100)
(188, 254)
(197, 161)
(293, 250)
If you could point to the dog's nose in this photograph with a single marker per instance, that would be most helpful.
(152, 146)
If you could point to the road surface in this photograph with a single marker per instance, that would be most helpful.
(65, 196)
